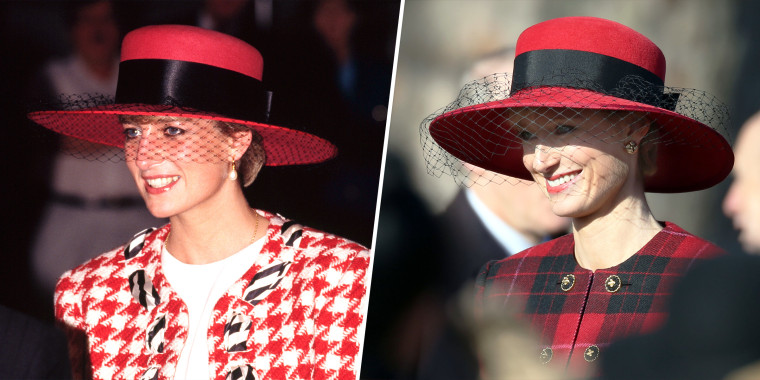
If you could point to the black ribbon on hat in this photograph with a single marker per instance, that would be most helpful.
(590, 71)
(193, 85)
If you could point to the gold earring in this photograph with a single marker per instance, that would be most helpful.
(631, 147)
(233, 174)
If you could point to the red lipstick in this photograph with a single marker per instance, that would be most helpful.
(562, 186)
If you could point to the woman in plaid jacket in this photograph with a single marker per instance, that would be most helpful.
(588, 118)
(223, 291)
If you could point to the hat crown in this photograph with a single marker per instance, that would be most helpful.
(193, 44)
(192, 73)
(594, 35)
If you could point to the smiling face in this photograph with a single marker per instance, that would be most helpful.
(178, 164)
(577, 157)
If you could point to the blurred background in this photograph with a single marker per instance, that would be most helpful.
(710, 45)
(328, 62)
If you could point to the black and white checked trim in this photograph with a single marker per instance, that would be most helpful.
(236, 333)
(265, 281)
(154, 336)
(244, 372)
(141, 287)
(136, 244)
(150, 374)
(291, 232)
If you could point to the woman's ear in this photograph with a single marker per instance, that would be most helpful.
(637, 131)
(240, 140)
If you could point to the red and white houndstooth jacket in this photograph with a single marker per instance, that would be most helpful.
(295, 314)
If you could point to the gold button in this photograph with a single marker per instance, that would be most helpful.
(546, 355)
(567, 282)
(612, 284)
(592, 352)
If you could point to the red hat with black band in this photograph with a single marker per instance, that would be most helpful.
(188, 72)
(584, 63)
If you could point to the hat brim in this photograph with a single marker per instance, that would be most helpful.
(690, 155)
(283, 146)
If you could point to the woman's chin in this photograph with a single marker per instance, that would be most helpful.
(160, 212)
(568, 209)
(562, 205)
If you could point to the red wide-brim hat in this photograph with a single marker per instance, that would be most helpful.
(587, 63)
(186, 71)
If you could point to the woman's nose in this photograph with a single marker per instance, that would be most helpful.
(731, 201)
(545, 157)
(147, 152)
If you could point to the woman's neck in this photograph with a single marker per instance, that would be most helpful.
(214, 231)
(607, 240)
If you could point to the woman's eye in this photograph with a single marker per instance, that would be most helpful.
(173, 131)
(131, 133)
(525, 135)
(563, 129)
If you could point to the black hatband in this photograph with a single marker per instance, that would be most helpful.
(193, 85)
(591, 71)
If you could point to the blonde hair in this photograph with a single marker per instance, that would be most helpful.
(250, 163)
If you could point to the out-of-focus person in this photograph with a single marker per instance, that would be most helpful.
(742, 202)
(403, 310)
(491, 220)
(484, 222)
(711, 333)
(31, 349)
(99, 196)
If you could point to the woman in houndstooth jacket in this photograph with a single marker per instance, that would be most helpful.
(223, 291)
(588, 118)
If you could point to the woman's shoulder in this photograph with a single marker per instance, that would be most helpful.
(531, 258)
(315, 237)
(303, 237)
(683, 243)
(116, 256)
(562, 245)
(98, 262)
(320, 251)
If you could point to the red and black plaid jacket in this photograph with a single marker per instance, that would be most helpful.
(577, 312)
